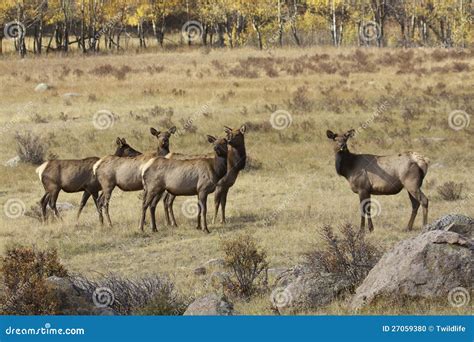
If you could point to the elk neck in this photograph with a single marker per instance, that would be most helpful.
(220, 166)
(163, 151)
(344, 162)
(237, 157)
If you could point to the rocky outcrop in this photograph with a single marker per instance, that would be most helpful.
(453, 223)
(73, 300)
(300, 288)
(210, 305)
(429, 265)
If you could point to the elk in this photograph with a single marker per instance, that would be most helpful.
(184, 177)
(74, 175)
(381, 175)
(124, 173)
(235, 163)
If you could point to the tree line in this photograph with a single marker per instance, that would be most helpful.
(95, 25)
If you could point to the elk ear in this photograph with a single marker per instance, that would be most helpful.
(350, 133)
(211, 139)
(124, 142)
(118, 141)
(331, 134)
(154, 132)
(227, 129)
(243, 129)
(172, 130)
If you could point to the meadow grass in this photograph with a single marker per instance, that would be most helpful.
(398, 100)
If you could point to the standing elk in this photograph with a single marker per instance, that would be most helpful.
(74, 175)
(235, 163)
(125, 173)
(381, 175)
(184, 177)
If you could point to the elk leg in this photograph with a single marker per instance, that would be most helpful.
(104, 202)
(199, 214)
(96, 198)
(203, 210)
(44, 202)
(363, 200)
(415, 204)
(424, 203)
(52, 203)
(170, 206)
(85, 197)
(166, 208)
(223, 203)
(217, 202)
(153, 205)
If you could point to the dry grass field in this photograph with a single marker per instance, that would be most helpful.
(397, 100)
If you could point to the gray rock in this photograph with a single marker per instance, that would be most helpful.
(12, 162)
(452, 223)
(427, 266)
(300, 288)
(64, 206)
(41, 87)
(73, 299)
(210, 305)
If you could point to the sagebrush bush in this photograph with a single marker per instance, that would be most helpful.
(247, 263)
(30, 148)
(24, 271)
(152, 295)
(349, 256)
(450, 191)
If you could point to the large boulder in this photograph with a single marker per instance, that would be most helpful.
(299, 288)
(452, 223)
(210, 305)
(429, 265)
(73, 299)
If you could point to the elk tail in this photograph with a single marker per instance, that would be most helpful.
(421, 161)
(40, 169)
(96, 165)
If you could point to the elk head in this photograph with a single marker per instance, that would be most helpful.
(235, 137)
(219, 145)
(340, 139)
(124, 149)
(163, 137)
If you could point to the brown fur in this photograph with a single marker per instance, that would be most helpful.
(236, 159)
(74, 175)
(125, 173)
(186, 177)
(381, 175)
